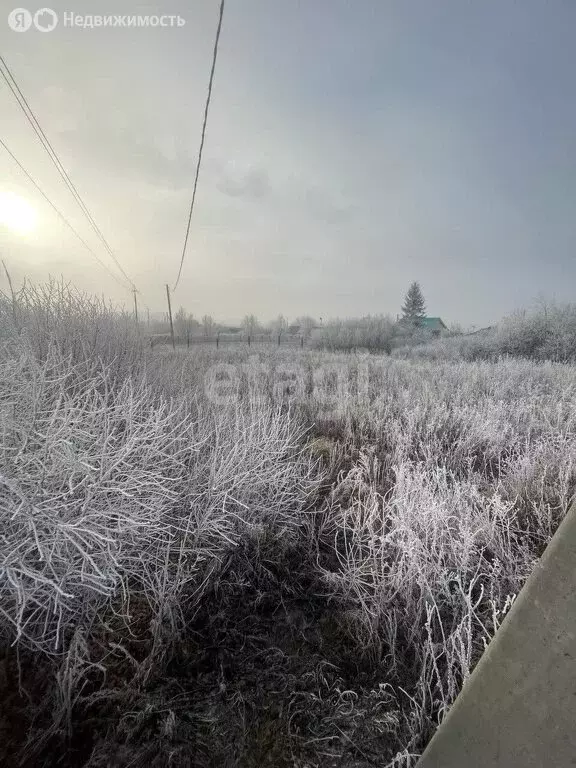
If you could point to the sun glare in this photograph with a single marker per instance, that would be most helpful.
(16, 214)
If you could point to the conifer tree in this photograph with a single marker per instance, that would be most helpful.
(414, 306)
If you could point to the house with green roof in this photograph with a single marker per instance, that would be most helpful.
(435, 325)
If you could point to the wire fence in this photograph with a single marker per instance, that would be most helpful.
(222, 338)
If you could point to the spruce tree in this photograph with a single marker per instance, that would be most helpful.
(414, 307)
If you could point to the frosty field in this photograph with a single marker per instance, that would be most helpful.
(282, 558)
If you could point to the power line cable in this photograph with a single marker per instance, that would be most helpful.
(199, 161)
(32, 119)
(59, 214)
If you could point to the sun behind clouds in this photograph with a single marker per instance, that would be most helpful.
(17, 214)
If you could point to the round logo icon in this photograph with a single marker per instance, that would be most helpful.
(45, 20)
(20, 20)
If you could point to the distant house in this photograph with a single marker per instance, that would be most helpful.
(435, 325)
(481, 331)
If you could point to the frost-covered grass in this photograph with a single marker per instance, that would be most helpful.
(82, 326)
(452, 480)
(302, 571)
(119, 502)
(108, 488)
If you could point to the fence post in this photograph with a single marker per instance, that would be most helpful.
(301, 341)
(248, 339)
(217, 339)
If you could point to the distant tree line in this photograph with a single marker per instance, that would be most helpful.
(187, 327)
(372, 332)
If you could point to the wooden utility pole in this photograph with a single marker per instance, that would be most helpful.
(14, 302)
(135, 305)
(170, 316)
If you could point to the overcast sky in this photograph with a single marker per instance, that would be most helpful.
(352, 147)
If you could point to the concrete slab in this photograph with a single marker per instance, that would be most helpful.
(518, 708)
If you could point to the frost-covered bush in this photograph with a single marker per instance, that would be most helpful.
(547, 333)
(115, 480)
(372, 332)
